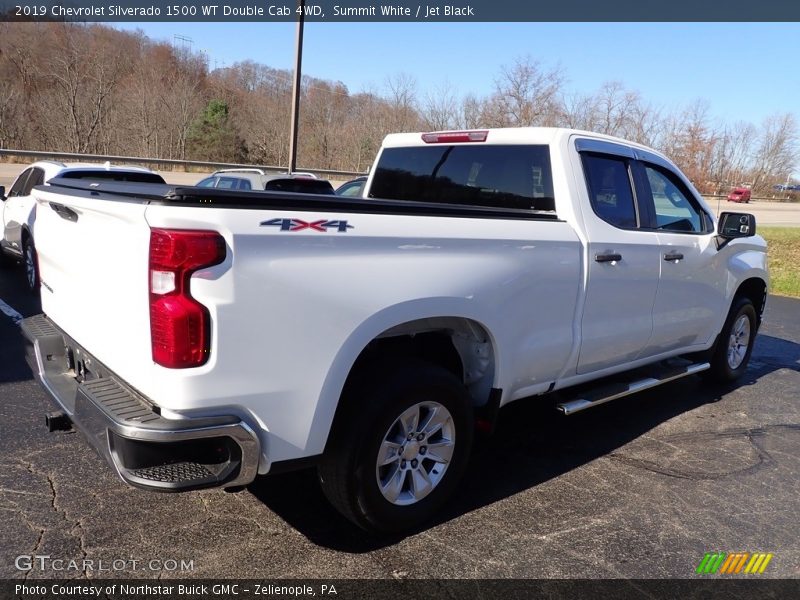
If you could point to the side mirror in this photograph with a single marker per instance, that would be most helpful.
(2, 192)
(736, 225)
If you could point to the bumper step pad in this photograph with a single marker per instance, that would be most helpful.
(174, 473)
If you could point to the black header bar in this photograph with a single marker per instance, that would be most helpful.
(418, 11)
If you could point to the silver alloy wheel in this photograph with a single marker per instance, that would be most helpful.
(415, 453)
(738, 342)
(30, 265)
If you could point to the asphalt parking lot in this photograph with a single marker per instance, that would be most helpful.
(642, 487)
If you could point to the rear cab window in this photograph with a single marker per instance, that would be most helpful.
(301, 185)
(492, 175)
(102, 175)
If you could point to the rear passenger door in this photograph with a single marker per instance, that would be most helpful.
(622, 263)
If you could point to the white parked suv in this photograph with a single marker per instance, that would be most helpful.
(247, 179)
(19, 209)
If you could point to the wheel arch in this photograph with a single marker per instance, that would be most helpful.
(461, 343)
(755, 289)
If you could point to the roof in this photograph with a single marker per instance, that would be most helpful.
(514, 135)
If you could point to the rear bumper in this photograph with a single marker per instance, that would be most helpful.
(144, 448)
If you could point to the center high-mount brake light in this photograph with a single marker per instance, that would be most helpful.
(179, 324)
(450, 137)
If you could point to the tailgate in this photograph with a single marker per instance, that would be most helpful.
(93, 256)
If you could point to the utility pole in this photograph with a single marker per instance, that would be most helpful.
(186, 42)
(298, 68)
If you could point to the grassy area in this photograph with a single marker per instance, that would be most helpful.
(784, 259)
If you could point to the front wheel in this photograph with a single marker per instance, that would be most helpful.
(399, 448)
(735, 345)
(31, 263)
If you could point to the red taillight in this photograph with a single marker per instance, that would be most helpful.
(179, 325)
(451, 137)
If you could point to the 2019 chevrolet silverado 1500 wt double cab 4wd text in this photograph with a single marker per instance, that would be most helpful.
(200, 337)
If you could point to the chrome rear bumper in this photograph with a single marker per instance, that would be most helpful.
(144, 448)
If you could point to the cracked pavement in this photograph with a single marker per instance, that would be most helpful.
(639, 487)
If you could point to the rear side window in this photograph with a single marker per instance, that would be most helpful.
(505, 176)
(609, 185)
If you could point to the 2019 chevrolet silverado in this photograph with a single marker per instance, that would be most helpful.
(218, 335)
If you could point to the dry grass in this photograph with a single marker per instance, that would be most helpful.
(784, 259)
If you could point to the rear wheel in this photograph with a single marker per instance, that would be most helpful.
(735, 345)
(31, 264)
(399, 448)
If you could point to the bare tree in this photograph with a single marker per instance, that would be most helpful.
(776, 156)
(526, 94)
(441, 108)
(731, 156)
(578, 111)
(85, 68)
(402, 99)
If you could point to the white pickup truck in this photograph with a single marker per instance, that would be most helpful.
(200, 337)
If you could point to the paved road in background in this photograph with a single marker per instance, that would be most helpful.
(640, 487)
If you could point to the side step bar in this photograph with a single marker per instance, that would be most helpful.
(619, 390)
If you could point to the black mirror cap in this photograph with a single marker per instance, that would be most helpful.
(734, 225)
(2, 192)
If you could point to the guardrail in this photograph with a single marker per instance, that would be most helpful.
(169, 162)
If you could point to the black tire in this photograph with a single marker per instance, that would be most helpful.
(5, 260)
(349, 473)
(725, 366)
(30, 263)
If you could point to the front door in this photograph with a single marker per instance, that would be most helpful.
(691, 291)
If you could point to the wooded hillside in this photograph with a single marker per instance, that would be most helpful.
(93, 89)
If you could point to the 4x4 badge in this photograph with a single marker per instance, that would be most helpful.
(299, 225)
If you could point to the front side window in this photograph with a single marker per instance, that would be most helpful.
(609, 185)
(673, 208)
(505, 176)
(19, 184)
